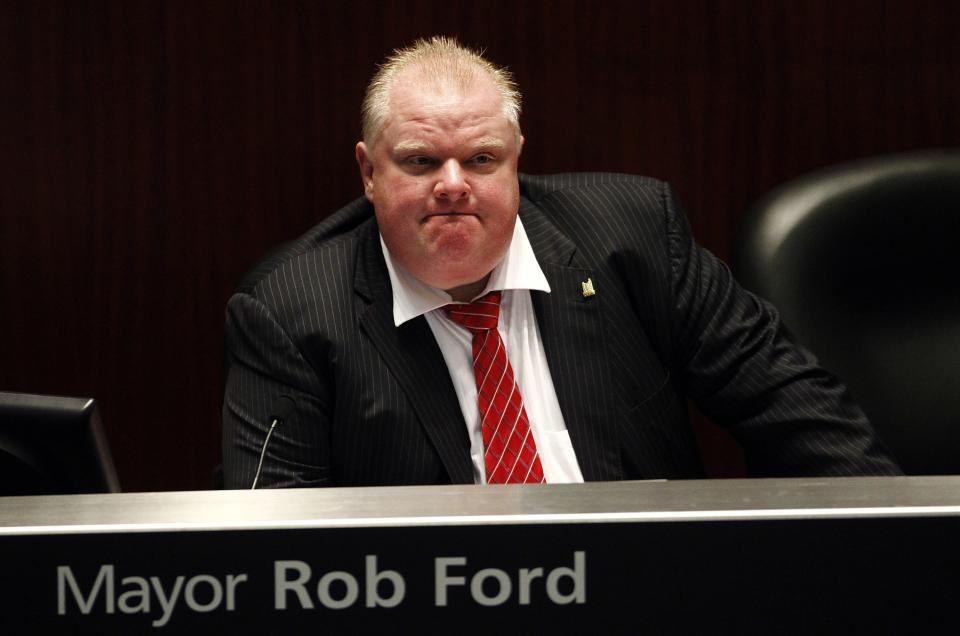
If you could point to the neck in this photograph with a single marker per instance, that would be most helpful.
(466, 293)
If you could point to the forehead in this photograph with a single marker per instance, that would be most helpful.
(424, 105)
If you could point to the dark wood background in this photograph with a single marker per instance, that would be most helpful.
(151, 152)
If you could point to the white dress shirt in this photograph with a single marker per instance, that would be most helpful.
(515, 276)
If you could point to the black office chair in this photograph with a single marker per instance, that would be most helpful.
(863, 261)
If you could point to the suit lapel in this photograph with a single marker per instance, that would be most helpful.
(572, 329)
(412, 354)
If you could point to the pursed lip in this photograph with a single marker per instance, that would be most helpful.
(430, 215)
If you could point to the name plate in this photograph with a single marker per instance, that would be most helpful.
(796, 556)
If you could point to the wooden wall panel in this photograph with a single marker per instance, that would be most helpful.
(150, 152)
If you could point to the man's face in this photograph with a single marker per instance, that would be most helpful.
(442, 177)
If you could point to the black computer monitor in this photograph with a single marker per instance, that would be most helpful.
(53, 445)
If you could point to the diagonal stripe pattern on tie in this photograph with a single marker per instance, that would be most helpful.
(510, 452)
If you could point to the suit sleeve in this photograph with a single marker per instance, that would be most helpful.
(263, 364)
(739, 365)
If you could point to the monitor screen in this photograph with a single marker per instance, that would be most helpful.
(53, 445)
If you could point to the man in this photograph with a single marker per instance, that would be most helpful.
(463, 324)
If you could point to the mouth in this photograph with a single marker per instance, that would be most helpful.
(448, 214)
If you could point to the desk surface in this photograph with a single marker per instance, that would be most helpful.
(739, 499)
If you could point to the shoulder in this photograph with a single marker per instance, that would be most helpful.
(307, 286)
(604, 209)
(537, 188)
(579, 200)
(328, 246)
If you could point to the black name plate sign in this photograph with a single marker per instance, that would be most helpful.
(764, 556)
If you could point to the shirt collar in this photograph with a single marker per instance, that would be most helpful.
(519, 269)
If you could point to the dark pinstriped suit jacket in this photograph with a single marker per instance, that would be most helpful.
(375, 404)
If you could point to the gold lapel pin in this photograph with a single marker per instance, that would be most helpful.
(588, 289)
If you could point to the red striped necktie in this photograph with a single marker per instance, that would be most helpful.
(510, 452)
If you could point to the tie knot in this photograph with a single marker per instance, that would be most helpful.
(482, 314)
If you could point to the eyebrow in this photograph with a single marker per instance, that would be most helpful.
(481, 144)
(410, 146)
(489, 143)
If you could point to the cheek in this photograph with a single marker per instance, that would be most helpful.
(396, 202)
(501, 201)
(398, 211)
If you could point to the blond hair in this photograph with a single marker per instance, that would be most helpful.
(440, 59)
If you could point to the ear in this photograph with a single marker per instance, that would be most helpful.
(365, 162)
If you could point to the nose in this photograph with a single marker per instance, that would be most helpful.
(452, 184)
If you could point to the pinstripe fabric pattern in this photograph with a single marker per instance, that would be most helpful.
(314, 322)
